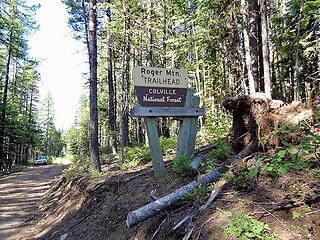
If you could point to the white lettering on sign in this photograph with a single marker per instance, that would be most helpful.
(159, 77)
(162, 91)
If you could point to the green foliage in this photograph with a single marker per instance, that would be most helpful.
(282, 162)
(76, 139)
(198, 193)
(316, 115)
(218, 155)
(222, 151)
(93, 173)
(133, 156)
(168, 145)
(19, 80)
(50, 160)
(276, 166)
(217, 126)
(244, 227)
(243, 175)
(208, 165)
(81, 168)
(290, 156)
(181, 164)
(78, 168)
(299, 212)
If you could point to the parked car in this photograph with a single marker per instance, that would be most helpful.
(40, 160)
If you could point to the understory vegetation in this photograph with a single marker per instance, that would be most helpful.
(253, 66)
(244, 227)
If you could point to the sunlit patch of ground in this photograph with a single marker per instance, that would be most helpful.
(20, 196)
(63, 161)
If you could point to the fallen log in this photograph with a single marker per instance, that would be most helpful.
(205, 149)
(195, 165)
(153, 208)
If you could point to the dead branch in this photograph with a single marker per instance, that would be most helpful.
(202, 225)
(152, 195)
(158, 229)
(188, 234)
(154, 207)
(189, 218)
(286, 205)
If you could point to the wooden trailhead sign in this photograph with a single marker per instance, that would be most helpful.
(160, 87)
(163, 92)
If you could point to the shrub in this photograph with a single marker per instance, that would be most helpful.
(290, 155)
(181, 164)
(77, 168)
(222, 151)
(244, 227)
(217, 126)
(133, 156)
(198, 193)
(168, 145)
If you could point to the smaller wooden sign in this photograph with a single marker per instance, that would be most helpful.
(160, 87)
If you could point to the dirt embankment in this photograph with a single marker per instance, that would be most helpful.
(97, 209)
(20, 195)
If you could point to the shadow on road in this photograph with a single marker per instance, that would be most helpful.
(20, 196)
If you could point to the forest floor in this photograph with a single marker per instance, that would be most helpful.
(97, 209)
(20, 196)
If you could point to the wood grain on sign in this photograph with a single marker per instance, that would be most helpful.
(166, 112)
(160, 87)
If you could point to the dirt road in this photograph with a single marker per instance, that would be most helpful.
(20, 195)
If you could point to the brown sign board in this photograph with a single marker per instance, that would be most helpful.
(160, 87)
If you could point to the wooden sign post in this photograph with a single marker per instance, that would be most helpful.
(163, 93)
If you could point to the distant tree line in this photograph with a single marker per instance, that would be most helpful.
(227, 47)
(24, 129)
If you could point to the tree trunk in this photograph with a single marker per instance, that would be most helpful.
(149, 34)
(297, 72)
(265, 49)
(260, 52)
(4, 102)
(246, 42)
(112, 110)
(165, 131)
(124, 123)
(92, 36)
(253, 37)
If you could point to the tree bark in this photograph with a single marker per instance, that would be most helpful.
(297, 72)
(265, 48)
(112, 110)
(149, 34)
(92, 37)
(4, 101)
(124, 123)
(253, 38)
(246, 42)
